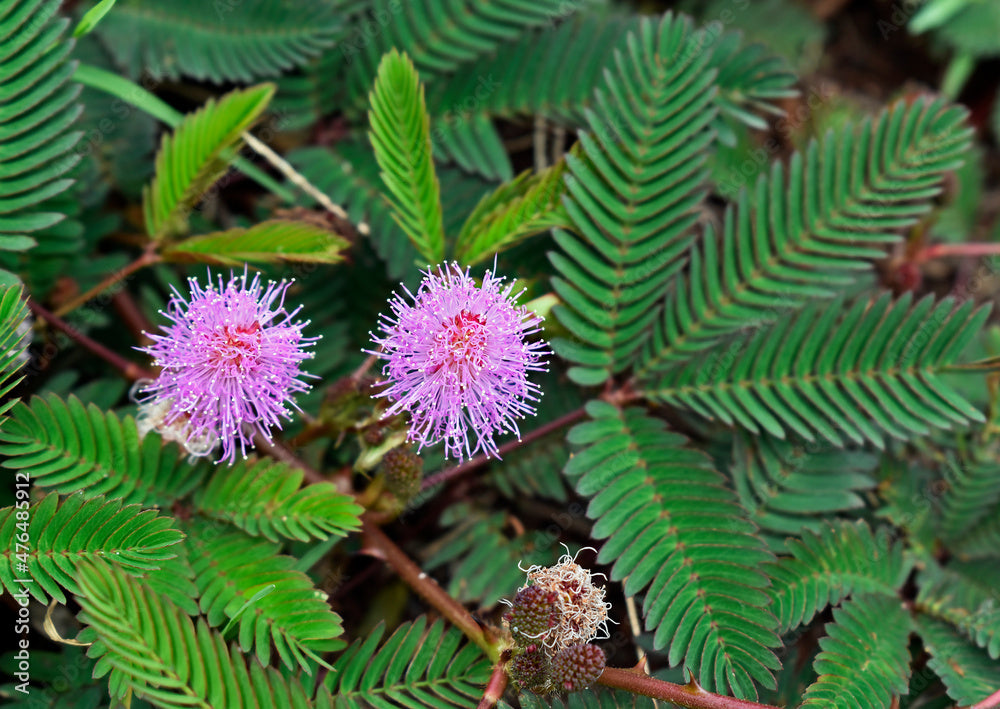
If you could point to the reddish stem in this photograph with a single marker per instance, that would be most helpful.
(691, 695)
(991, 701)
(148, 258)
(967, 249)
(128, 369)
(495, 687)
(479, 460)
(426, 587)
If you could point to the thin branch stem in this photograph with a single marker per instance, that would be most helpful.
(297, 179)
(691, 695)
(427, 588)
(495, 687)
(129, 370)
(967, 249)
(147, 259)
(279, 452)
(473, 463)
(989, 703)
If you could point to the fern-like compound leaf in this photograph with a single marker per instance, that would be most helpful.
(865, 658)
(38, 106)
(528, 205)
(787, 241)
(400, 135)
(649, 498)
(272, 241)
(875, 372)
(264, 498)
(594, 698)
(55, 535)
(964, 595)
(224, 41)
(968, 674)
(415, 667)
(233, 573)
(66, 446)
(972, 498)
(787, 487)
(13, 328)
(486, 561)
(633, 196)
(826, 567)
(197, 154)
(156, 652)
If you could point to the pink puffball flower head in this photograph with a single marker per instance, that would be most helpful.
(230, 363)
(458, 356)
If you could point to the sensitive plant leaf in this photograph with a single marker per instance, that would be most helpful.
(967, 672)
(633, 196)
(865, 657)
(876, 371)
(13, 329)
(155, 651)
(528, 205)
(46, 540)
(700, 571)
(68, 447)
(197, 154)
(265, 498)
(272, 241)
(400, 135)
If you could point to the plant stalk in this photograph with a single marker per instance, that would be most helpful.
(147, 259)
(691, 695)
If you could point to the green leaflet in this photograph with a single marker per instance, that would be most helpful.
(633, 196)
(865, 660)
(967, 672)
(232, 568)
(264, 498)
(37, 109)
(69, 447)
(786, 241)
(674, 532)
(400, 135)
(55, 536)
(156, 651)
(875, 372)
(523, 207)
(415, 667)
(825, 567)
(13, 313)
(196, 155)
(224, 41)
(272, 241)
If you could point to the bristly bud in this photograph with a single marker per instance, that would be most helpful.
(403, 470)
(533, 615)
(531, 669)
(577, 667)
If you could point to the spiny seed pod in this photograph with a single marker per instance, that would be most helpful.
(531, 670)
(533, 614)
(577, 667)
(403, 470)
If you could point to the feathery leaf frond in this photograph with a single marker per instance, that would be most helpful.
(197, 154)
(649, 493)
(967, 672)
(416, 667)
(865, 660)
(13, 313)
(66, 446)
(264, 498)
(843, 559)
(272, 241)
(232, 573)
(63, 533)
(221, 41)
(157, 652)
(876, 371)
(400, 135)
(633, 196)
(790, 240)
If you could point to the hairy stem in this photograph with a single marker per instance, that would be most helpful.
(968, 249)
(691, 695)
(147, 259)
(989, 703)
(129, 370)
(473, 463)
(496, 686)
(427, 588)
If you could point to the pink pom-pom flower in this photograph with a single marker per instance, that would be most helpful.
(457, 359)
(230, 364)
